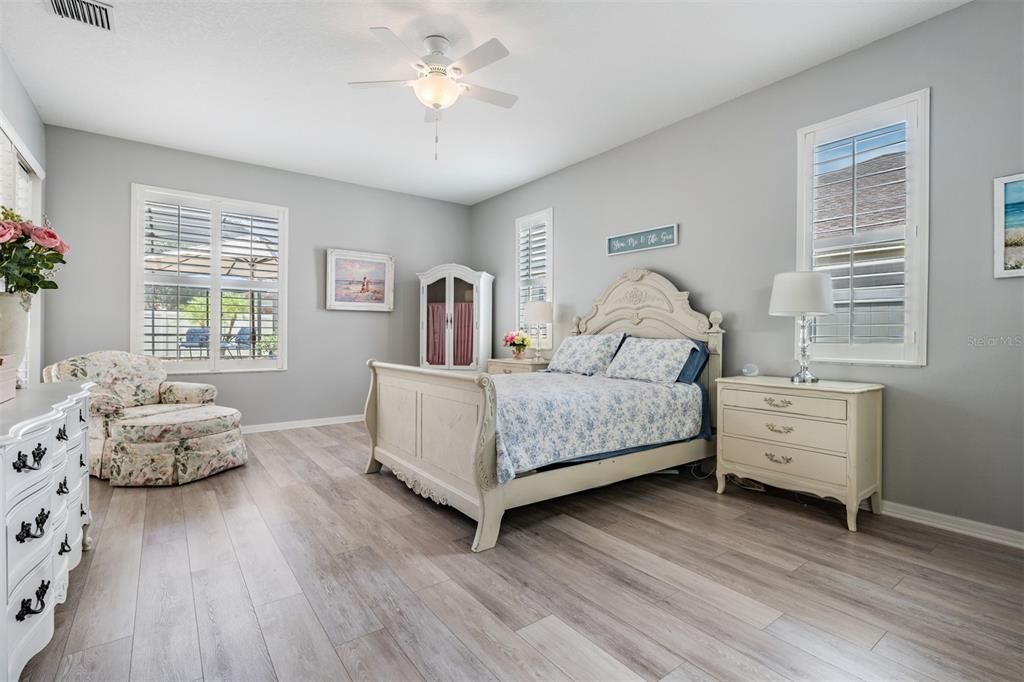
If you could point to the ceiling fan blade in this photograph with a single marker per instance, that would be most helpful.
(394, 43)
(478, 58)
(497, 97)
(380, 84)
(432, 115)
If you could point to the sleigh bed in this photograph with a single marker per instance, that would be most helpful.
(436, 429)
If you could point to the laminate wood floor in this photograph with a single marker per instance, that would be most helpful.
(299, 567)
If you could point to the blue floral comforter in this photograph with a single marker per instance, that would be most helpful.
(549, 417)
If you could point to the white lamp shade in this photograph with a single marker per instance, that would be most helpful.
(801, 293)
(540, 312)
(436, 90)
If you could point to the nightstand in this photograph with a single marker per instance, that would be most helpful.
(823, 438)
(513, 366)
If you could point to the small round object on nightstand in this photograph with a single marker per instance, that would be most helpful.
(750, 370)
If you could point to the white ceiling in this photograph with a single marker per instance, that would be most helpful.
(264, 82)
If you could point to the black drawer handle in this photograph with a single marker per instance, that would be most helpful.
(62, 433)
(81, 509)
(81, 418)
(62, 487)
(26, 604)
(64, 546)
(26, 534)
(81, 459)
(21, 461)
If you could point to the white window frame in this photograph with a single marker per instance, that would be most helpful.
(216, 205)
(544, 217)
(914, 109)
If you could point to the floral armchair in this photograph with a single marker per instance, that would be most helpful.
(140, 423)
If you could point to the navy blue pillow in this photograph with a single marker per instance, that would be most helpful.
(695, 363)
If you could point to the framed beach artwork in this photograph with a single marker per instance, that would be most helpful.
(1009, 226)
(358, 280)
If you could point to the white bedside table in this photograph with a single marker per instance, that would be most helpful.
(823, 438)
(513, 366)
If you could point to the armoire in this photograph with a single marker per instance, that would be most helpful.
(455, 318)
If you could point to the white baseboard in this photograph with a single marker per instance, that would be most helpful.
(975, 529)
(301, 424)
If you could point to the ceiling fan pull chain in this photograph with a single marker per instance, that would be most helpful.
(437, 122)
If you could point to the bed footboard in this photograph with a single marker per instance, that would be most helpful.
(435, 430)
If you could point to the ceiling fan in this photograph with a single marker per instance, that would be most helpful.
(439, 84)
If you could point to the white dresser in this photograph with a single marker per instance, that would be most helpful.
(823, 438)
(45, 483)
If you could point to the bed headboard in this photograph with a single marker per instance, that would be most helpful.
(643, 303)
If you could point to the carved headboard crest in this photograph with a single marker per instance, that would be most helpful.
(644, 303)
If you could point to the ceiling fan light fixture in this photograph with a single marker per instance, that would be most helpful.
(436, 90)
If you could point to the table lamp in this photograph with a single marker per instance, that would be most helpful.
(539, 312)
(799, 295)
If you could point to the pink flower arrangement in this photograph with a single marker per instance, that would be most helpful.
(517, 339)
(29, 254)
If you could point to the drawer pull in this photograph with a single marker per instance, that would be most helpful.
(507, 370)
(20, 462)
(62, 487)
(81, 460)
(81, 510)
(64, 546)
(81, 417)
(26, 534)
(26, 604)
(772, 402)
(62, 433)
(772, 457)
(779, 429)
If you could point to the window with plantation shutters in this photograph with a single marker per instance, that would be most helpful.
(533, 267)
(863, 205)
(208, 281)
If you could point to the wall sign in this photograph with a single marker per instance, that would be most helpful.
(643, 240)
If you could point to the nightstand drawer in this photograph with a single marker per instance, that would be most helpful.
(791, 404)
(783, 460)
(792, 430)
(499, 368)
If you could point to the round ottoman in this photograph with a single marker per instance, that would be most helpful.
(175, 447)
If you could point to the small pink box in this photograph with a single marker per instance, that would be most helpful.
(8, 378)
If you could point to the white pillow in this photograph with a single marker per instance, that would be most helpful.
(656, 360)
(587, 354)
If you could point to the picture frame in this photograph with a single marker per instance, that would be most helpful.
(360, 280)
(659, 237)
(1008, 219)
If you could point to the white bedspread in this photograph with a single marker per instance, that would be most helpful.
(548, 417)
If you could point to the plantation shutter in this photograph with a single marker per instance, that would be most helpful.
(176, 263)
(8, 162)
(249, 258)
(859, 235)
(534, 272)
(212, 282)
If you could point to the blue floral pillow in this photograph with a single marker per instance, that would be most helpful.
(656, 360)
(587, 354)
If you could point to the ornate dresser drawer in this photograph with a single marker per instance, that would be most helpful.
(29, 621)
(816, 466)
(825, 408)
(28, 460)
(823, 438)
(811, 433)
(29, 534)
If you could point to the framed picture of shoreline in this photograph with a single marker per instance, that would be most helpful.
(359, 280)
(1009, 226)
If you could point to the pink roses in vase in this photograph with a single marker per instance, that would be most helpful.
(29, 254)
(518, 341)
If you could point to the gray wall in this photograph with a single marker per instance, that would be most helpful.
(953, 430)
(19, 110)
(88, 198)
